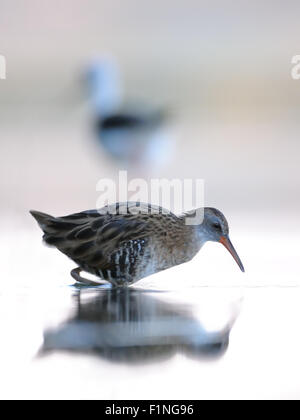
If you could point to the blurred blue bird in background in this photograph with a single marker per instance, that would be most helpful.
(133, 135)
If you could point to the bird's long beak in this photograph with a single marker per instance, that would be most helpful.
(228, 245)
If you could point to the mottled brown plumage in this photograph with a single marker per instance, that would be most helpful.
(125, 242)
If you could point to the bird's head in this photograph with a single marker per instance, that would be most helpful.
(215, 228)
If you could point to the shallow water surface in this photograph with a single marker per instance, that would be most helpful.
(81, 342)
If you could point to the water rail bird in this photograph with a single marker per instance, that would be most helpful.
(126, 242)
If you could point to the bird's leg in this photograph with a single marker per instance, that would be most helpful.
(75, 273)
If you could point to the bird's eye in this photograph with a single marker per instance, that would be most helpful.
(216, 226)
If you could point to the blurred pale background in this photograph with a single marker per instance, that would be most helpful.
(223, 69)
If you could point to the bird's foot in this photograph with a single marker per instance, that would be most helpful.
(75, 273)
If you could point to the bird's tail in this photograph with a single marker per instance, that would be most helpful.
(56, 229)
(53, 227)
(44, 220)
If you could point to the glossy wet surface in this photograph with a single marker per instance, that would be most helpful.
(82, 342)
(135, 326)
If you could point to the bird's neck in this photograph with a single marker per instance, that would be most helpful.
(192, 240)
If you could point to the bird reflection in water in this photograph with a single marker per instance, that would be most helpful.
(132, 325)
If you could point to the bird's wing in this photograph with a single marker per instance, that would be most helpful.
(94, 239)
(132, 120)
